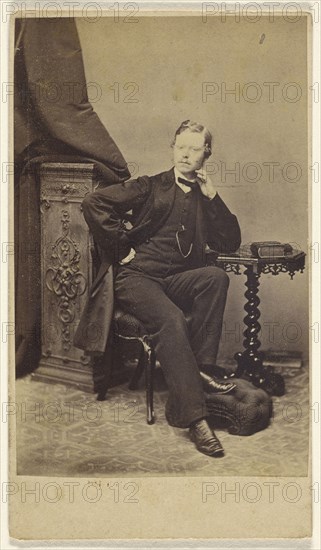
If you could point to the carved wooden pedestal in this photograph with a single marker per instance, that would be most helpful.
(66, 269)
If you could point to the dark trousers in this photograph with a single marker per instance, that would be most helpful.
(181, 346)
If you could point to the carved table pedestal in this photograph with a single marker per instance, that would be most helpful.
(250, 360)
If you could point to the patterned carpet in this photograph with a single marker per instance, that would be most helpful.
(62, 431)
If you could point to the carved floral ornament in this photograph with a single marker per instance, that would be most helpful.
(64, 278)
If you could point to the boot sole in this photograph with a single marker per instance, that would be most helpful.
(218, 453)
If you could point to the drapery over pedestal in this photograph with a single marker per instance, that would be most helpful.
(54, 122)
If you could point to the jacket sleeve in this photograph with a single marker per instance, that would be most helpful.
(104, 210)
(223, 230)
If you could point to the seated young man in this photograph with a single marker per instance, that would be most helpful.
(162, 272)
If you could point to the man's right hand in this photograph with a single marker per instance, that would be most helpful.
(128, 258)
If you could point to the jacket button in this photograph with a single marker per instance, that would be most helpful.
(147, 241)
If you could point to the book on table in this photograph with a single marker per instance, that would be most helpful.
(271, 249)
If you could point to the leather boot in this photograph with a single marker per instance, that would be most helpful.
(205, 439)
(211, 385)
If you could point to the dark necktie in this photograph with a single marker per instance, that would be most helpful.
(190, 184)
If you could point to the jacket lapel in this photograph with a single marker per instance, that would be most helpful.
(200, 233)
(155, 212)
(163, 200)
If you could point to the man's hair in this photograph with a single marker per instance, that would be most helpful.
(197, 128)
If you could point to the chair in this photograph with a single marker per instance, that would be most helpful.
(127, 327)
(244, 412)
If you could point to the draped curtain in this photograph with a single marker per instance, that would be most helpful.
(53, 122)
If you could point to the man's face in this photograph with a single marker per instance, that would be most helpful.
(189, 150)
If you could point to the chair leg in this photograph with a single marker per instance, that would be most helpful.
(102, 373)
(138, 371)
(149, 371)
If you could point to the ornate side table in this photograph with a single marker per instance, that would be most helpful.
(250, 360)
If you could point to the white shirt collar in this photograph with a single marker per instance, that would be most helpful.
(183, 187)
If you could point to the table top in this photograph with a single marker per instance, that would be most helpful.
(290, 263)
(244, 255)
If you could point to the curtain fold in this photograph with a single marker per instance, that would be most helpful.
(53, 122)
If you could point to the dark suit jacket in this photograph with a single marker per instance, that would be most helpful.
(151, 200)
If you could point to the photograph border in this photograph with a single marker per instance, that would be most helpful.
(185, 492)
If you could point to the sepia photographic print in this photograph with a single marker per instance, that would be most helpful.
(160, 257)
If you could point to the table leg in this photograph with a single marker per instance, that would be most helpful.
(250, 361)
